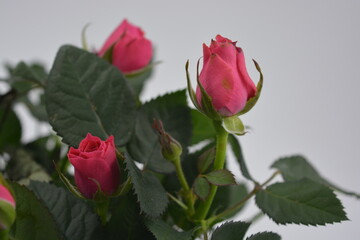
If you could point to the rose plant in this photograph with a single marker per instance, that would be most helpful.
(116, 167)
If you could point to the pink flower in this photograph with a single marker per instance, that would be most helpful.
(6, 196)
(95, 163)
(225, 78)
(7, 208)
(131, 50)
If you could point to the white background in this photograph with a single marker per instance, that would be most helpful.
(308, 50)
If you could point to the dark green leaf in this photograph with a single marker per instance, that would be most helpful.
(34, 72)
(202, 127)
(33, 220)
(301, 202)
(10, 128)
(231, 231)
(173, 111)
(228, 196)
(201, 187)
(236, 148)
(85, 94)
(205, 160)
(23, 168)
(162, 231)
(297, 167)
(264, 236)
(126, 221)
(74, 218)
(150, 192)
(220, 177)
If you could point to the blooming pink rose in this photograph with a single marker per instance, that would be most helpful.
(132, 51)
(95, 162)
(225, 78)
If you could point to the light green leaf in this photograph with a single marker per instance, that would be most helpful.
(85, 94)
(234, 125)
(301, 202)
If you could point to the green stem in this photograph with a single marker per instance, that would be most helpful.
(180, 174)
(185, 186)
(102, 210)
(221, 142)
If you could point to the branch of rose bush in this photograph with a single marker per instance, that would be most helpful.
(257, 188)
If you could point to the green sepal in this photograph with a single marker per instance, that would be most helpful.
(123, 188)
(234, 125)
(252, 101)
(108, 54)
(84, 42)
(190, 89)
(74, 190)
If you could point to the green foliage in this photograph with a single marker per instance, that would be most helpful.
(162, 231)
(202, 127)
(151, 194)
(205, 160)
(74, 218)
(201, 187)
(297, 167)
(227, 196)
(33, 219)
(10, 129)
(220, 177)
(264, 236)
(126, 221)
(23, 168)
(173, 111)
(236, 148)
(302, 202)
(231, 231)
(85, 94)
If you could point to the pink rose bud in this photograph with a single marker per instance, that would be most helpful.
(225, 78)
(95, 166)
(7, 208)
(131, 50)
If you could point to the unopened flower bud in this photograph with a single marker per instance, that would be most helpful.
(170, 148)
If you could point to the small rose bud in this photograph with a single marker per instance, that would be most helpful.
(224, 77)
(7, 208)
(170, 148)
(131, 51)
(95, 166)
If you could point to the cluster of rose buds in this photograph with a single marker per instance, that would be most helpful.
(223, 79)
